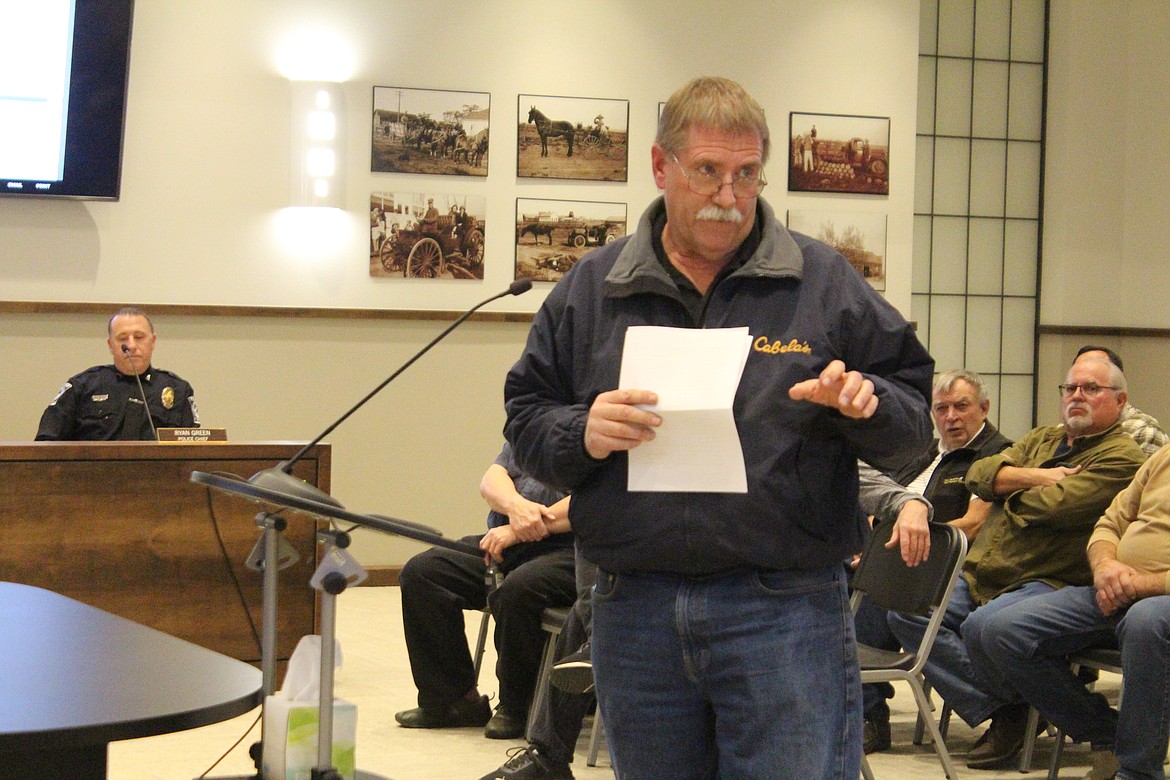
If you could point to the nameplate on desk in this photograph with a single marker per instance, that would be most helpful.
(185, 435)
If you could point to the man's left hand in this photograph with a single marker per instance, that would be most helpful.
(846, 391)
(912, 533)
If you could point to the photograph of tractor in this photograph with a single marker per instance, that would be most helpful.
(852, 158)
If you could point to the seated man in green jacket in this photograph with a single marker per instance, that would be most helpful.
(1047, 492)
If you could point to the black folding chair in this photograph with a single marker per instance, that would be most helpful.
(922, 590)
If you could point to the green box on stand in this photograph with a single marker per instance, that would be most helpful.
(290, 738)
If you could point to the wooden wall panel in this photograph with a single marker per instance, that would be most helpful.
(121, 526)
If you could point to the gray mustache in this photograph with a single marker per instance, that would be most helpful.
(719, 214)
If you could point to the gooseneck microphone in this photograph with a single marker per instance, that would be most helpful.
(280, 478)
(141, 392)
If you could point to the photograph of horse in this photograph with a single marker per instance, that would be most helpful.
(572, 138)
(537, 229)
(547, 128)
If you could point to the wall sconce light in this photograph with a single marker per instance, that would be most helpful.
(318, 153)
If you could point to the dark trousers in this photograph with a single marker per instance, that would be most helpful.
(439, 584)
(556, 725)
(872, 629)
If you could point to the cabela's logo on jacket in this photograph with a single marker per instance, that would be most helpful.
(762, 344)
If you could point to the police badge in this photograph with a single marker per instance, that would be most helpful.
(168, 397)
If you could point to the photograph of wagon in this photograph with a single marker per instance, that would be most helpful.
(568, 231)
(597, 134)
(551, 235)
(572, 138)
(429, 131)
(834, 153)
(423, 242)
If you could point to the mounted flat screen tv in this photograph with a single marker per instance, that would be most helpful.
(64, 67)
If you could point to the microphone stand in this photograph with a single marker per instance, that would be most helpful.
(141, 392)
(338, 570)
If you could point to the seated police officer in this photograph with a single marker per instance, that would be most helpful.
(105, 403)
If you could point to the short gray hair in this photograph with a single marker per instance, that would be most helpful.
(1116, 375)
(713, 102)
(944, 382)
(127, 311)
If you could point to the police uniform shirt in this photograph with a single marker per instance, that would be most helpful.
(103, 404)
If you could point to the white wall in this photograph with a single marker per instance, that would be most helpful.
(200, 220)
(1108, 170)
(1106, 192)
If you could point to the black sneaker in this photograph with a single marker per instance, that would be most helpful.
(574, 672)
(529, 764)
(462, 713)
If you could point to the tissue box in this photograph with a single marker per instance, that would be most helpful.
(290, 738)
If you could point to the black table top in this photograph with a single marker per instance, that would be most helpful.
(72, 675)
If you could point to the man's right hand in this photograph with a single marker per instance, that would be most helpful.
(971, 523)
(1115, 584)
(616, 423)
(495, 541)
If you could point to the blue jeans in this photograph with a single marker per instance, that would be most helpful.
(965, 681)
(750, 675)
(1029, 642)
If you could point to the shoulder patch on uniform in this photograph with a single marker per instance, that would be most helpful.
(64, 388)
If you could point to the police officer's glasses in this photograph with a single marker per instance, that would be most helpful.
(745, 183)
(1090, 390)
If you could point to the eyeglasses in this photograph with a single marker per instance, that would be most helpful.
(1091, 390)
(746, 184)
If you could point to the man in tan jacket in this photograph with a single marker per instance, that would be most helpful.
(1128, 603)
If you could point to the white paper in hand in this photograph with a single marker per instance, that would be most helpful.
(695, 373)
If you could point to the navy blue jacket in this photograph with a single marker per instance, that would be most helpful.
(804, 306)
(103, 404)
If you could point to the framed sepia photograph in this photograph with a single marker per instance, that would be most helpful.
(858, 235)
(434, 131)
(839, 153)
(552, 235)
(572, 138)
(426, 235)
